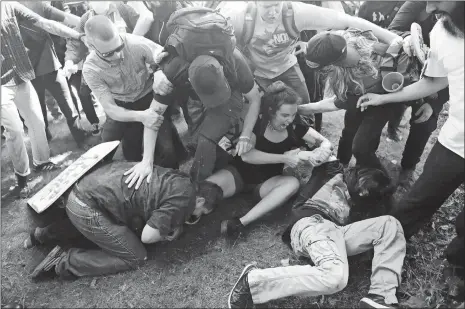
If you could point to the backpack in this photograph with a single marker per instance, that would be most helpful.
(251, 17)
(196, 31)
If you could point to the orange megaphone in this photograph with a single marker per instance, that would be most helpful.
(393, 82)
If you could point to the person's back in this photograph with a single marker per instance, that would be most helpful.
(113, 196)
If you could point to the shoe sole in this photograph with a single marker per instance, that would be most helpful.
(368, 303)
(46, 261)
(246, 269)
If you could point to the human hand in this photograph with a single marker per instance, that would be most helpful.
(424, 113)
(138, 173)
(300, 48)
(161, 84)
(243, 145)
(291, 158)
(226, 144)
(370, 99)
(69, 68)
(160, 56)
(152, 119)
(408, 46)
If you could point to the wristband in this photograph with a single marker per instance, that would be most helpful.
(241, 138)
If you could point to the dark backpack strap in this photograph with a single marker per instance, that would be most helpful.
(249, 24)
(289, 21)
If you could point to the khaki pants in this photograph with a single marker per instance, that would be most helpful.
(23, 98)
(328, 245)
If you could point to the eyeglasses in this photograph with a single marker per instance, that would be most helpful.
(111, 53)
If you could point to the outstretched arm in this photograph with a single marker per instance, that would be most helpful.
(323, 106)
(312, 17)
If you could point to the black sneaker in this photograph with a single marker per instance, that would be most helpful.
(22, 189)
(240, 296)
(231, 228)
(49, 263)
(375, 301)
(96, 131)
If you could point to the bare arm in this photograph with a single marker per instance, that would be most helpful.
(255, 156)
(421, 89)
(323, 106)
(151, 135)
(58, 29)
(254, 99)
(312, 137)
(311, 17)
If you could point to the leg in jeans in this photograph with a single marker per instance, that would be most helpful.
(27, 103)
(443, 173)
(14, 132)
(352, 120)
(55, 82)
(120, 249)
(396, 119)
(39, 86)
(384, 235)
(113, 130)
(321, 240)
(419, 135)
(320, 175)
(86, 100)
(214, 126)
(59, 231)
(366, 140)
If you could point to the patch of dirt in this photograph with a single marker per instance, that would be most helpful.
(199, 269)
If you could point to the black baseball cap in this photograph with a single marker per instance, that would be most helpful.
(326, 48)
(207, 78)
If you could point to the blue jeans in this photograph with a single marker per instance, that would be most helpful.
(120, 248)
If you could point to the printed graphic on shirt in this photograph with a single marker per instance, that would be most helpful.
(268, 43)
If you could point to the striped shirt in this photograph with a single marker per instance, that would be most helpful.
(16, 66)
(127, 80)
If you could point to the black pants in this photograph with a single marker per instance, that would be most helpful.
(80, 92)
(362, 133)
(456, 249)
(442, 174)
(420, 132)
(320, 175)
(57, 85)
(169, 150)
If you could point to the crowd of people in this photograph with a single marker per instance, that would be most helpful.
(252, 80)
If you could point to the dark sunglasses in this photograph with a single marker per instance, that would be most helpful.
(111, 53)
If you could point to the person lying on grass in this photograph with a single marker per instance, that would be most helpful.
(276, 141)
(108, 213)
(319, 231)
(352, 62)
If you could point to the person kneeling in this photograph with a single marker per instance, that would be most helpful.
(120, 220)
(261, 169)
(318, 231)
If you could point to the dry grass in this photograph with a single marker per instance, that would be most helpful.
(199, 269)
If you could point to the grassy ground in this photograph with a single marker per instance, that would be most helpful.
(199, 269)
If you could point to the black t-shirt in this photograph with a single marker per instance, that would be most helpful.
(258, 173)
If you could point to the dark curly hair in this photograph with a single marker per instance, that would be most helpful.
(370, 190)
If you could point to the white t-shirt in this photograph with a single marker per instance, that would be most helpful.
(446, 60)
(270, 49)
